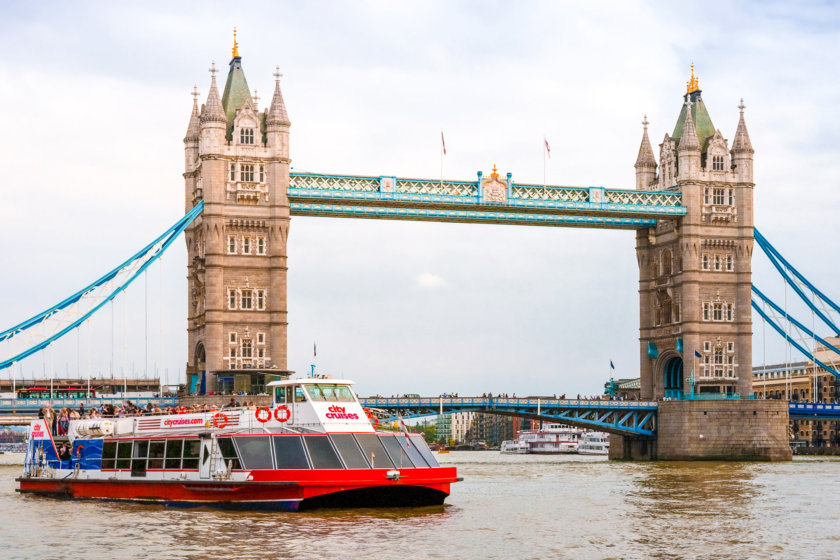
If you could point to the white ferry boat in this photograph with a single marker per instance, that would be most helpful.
(595, 443)
(313, 447)
(551, 439)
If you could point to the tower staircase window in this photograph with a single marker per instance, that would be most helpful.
(246, 299)
(233, 172)
(246, 172)
(231, 244)
(231, 299)
(246, 245)
(261, 245)
(246, 136)
(262, 174)
(260, 299)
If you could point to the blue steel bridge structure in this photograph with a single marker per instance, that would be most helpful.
(388, 197)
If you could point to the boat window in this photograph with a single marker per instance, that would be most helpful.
(124, 455)
(424, 450)
(321, 453)
(191, 450)
(332, 393)
(300, 396)
(109, 453)
(283, 395)
(229, 453)
(138, 459)
(413, 454)
(255, 452)
(156, 449)
(395, 445)
(349, 451)
(374, 452)
(289, 453)
(173, 453)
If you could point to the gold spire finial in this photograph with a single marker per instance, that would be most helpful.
(235, 44)
(495, 174)
(693, 84)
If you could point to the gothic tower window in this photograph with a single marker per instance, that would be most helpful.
(260, 338)
(246, 302)
(718, 196)
(730, 263)
(246, 136)
(717, 262)
(246, 348)
(233, 172)
(261, 299)
(231, 244)
(246, 172)
(246, 245)
(262, 174)
(705, 262)
(261, 245)
(717, 163)
(666, 262)
(231, 299)
(232, 338)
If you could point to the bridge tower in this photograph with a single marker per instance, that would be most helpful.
(695, 271)
(695, 335)
(237, 161)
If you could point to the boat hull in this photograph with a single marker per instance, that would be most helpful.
(275, 492)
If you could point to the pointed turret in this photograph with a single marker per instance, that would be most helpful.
(645, 161)
(213, 110)
(277, 111)
(742, 150)
(192, 127)
(688, 150)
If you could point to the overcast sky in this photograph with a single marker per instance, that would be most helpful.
(95, 101)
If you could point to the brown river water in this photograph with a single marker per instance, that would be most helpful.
(508, 506)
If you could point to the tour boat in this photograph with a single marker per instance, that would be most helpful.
(315, 446)
(595, 443)
(551, 439)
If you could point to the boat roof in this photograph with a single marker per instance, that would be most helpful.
(310, 381)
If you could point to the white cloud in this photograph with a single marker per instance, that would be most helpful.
(429, 280)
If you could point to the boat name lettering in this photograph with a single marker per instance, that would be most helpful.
(169, 422)
(339, 413)
(37, 431)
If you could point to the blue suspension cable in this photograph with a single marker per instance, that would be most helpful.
(795, 344)
(775, 258)
(172, 233)
(180, 225)
(805, 329)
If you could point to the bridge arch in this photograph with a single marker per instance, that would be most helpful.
(672, 377)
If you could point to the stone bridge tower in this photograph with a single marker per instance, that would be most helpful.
(695, 271)
(237, 161)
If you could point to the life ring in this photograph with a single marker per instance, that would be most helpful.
(263, 417)
(220, 420)
(286, 416)
(371, 416)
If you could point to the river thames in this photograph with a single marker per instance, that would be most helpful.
(508, 506)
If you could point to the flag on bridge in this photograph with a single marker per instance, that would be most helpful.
(612, 365)
(547, 147)
(314, 349)
(442, 143)
(698, 354)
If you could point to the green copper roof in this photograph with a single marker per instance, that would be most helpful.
(702, 121)
(236, 92)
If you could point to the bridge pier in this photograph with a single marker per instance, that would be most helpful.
(724, 430)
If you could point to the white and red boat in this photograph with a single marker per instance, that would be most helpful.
(313, 447)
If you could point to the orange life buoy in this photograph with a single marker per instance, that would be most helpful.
(263, 417)
(286, 416)
(220, 420)
(372, 416)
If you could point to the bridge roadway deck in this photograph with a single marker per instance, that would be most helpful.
(312, 194)
(624, 417)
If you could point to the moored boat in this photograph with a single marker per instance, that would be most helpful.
(313, 447)
(595, 443)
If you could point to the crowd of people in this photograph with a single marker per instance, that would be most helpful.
(59, 420)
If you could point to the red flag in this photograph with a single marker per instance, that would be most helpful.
(442, 142)
(547, 147)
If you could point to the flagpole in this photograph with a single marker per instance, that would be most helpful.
(543, 151)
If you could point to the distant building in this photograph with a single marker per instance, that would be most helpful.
(452, 427)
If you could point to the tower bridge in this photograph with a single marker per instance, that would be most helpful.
(692, 213)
